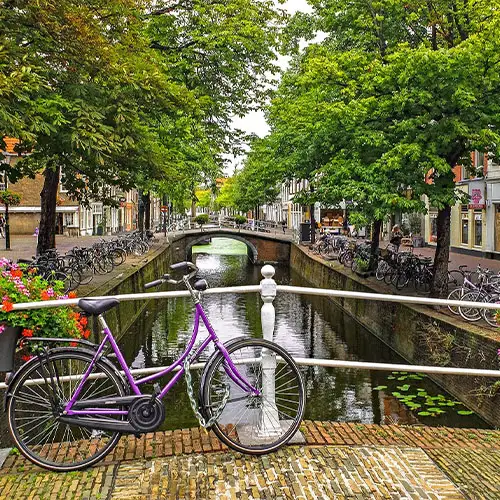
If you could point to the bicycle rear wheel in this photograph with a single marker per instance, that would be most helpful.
(471, 313)
(249, 423)
(37, 400)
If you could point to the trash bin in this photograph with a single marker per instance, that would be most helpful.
(305, 231)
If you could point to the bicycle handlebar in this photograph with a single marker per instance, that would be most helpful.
(167, 279)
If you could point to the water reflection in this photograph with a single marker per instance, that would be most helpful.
(305, 326)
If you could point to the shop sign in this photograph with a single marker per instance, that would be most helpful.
(476, 193)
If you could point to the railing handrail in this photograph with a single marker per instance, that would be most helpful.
(324, 292)
(268, 290)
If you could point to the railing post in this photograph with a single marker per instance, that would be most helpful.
(268, 293)
(269, 417)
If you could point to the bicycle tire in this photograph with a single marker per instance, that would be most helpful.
(23, 397)
(471, 313)
(490, 315)
(249, 408)
(382, 269)
(455, 295)
(118, 255)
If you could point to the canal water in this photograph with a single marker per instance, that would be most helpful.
(307, 327)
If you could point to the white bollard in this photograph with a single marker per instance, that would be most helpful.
(269, 426)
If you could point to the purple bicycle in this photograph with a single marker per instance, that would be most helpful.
(68, 406)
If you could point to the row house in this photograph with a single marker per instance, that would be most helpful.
(475, 225)
(72, 218)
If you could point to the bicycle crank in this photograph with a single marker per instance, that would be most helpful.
(146, 414)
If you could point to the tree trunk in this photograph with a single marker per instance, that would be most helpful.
(313, 224)
(147, 211)
(140, 216)
(377, 226)
(439, 284)
(48, 198)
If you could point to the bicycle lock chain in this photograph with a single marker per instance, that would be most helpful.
(194, 404)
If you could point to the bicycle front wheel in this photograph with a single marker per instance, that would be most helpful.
(37, 399)
(249, 423)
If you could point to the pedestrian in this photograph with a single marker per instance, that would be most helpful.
(283, 225)
(2, 227)
(396, 236)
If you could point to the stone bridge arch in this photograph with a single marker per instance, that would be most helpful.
(262, 248)
(253, 253)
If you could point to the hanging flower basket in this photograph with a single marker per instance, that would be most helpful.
(8, 341)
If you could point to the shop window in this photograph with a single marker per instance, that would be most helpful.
(69, 219)
(465, 231)
(478, 229)
(433, 218)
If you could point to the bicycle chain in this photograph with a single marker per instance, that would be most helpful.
(194, 404)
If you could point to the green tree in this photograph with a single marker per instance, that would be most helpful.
(100, 83)
(257, 183)
(390, 100)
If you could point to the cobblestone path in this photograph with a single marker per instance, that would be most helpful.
(340, 460)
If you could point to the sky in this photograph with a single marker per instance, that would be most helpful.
(255, 121)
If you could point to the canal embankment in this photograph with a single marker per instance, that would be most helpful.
(419, 334)
(129, 278)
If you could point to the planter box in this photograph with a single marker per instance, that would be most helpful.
(364, 274)
(8, 341)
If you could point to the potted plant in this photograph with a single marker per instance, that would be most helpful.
(239, 220)
(18, 284)
(201, 220)
(361, 266)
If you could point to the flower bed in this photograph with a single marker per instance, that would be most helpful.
(19, 284)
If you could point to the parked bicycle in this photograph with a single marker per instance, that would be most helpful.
(68, 406)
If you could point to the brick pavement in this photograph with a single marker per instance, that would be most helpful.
(340, 460)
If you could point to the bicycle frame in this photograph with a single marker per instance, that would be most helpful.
(229, 366)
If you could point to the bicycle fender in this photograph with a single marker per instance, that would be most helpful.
(34, 360)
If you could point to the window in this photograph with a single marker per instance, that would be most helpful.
(433, 219)
(479, 163)
(478, 229)
(69, 219)
(465, 229)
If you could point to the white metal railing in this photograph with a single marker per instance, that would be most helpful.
(268, 290)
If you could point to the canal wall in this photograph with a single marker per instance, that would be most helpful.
(130, 280)
(419, 334)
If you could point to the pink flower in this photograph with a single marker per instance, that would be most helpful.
(2, 328)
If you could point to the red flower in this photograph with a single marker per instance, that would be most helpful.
(72, 295)
(83, 321)
(27, 332)
(16, 273)
(7, 306)
(86, 334)
(26, 357)
(45, 295)
(73, 344)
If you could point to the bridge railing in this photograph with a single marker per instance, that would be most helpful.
(269, 289)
